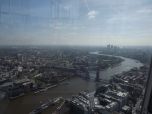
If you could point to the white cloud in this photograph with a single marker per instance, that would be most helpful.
(122, 19)
(92, 14)
(146, 10)
(67, 7)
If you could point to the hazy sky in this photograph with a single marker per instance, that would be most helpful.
(76, 22)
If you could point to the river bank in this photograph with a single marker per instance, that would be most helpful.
(25, 104)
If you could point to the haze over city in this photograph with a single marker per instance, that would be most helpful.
(75, 22)
(75, 56)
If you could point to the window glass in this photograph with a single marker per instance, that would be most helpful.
(74, 56)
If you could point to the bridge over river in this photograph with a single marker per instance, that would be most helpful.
(25, 104)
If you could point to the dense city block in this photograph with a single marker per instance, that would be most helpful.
(71, 80)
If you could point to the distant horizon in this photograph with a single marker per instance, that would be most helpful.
(121, 46)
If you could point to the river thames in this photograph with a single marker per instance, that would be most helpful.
(66, 89)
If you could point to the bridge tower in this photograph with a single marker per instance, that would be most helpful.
(97, 74)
